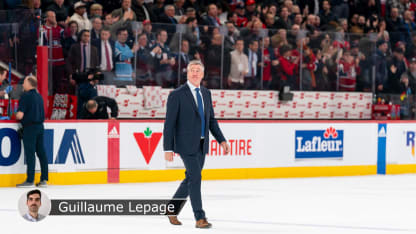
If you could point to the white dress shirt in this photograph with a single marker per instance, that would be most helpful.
(103, 58)
(192, 87)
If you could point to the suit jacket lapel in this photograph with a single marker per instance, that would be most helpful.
(191, 97)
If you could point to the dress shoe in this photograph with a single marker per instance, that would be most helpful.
(174, 220)
(203, 223)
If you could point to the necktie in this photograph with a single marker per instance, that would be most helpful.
(84, 55)
(201, 111)
(107, 57)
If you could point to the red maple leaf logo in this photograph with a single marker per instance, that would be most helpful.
(147, 142)
(330, 132)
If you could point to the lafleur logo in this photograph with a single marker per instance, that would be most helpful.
(147, 142)
(319, 143)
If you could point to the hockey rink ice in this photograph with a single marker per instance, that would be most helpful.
(361, 204)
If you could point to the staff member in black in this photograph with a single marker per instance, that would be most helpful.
(96, 108)
(32, 115)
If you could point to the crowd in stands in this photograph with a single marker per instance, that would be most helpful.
(323, 45)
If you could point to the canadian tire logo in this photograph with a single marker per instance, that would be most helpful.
(147, 142)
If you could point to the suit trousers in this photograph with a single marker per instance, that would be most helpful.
(33, 142)
(191, 185)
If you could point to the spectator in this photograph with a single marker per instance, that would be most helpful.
(96, 10)
(106, 50)
(239, 66)
(97, 25)
(231, 36)
(288, 68)
(211, 19)
(411, 76)
(124, 22)
(142, 10)
(268, 63)
(86, 91)
(53, 36)
(61, 12)
(164, 60)
(145, 61)
(396, 67)
(253, 62)
(381, 66)
(125, 6)
(213, 60)
(123, 56)
(409, 25)
(108, 20)
(182, 60)
(96, 108)
(284, 21)
(270, 21)
(147, 29)
(250, 9)
(5, 87)
(190, 12)
(158, 8)
(348, 70)
(395, 26)
(178, 4)
(326, 14)
(70, 37)
(241, 15)
(80, 17)
(190, 34)
(82, 55)
(168, 20)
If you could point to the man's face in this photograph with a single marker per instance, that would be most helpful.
(361, 20)
(105, 35)
(190, 14)
(216, 39)
(254, 46)
(142, 40)
(185, 47)
(33, 203)
(269, 19)
(394, 13)
(36, 4)
(413, 66)
(251, 8)
(170, 11)
(80, 11)
(148, 28)
(92, 110)
(108, 20)
(85, 37)
(284, 13)
(212, 11)
(26, 85)
(126, 4)
(326, 6)
(122, 36)
(97, 24)
(195, 74)
(74, 28)
(383, 47)
(230, 28)
(239, 46)
(163, 36)
(51, 17)
(180, 3)
(97, 11)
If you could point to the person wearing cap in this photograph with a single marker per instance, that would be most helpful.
(142, 10)
(61, 12)
(250, 8)
(81, 17)
(147, 29)
(396, 67)
(381, 66)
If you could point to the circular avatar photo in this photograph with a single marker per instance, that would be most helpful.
(34, 205)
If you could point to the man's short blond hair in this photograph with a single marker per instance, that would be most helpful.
(195, 62)
(32, 81)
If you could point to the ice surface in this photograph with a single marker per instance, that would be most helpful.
(367, 204)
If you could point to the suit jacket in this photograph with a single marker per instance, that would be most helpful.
(97, 44)
(182, 129)
(74, 58)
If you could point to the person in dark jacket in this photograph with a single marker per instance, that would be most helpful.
(396, 67)
(96, 108)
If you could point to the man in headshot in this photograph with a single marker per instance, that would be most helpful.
(33, 202)
(189, 118)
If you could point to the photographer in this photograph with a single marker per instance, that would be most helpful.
(87, 82)
(96, 108)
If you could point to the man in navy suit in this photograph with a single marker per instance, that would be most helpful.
(189, 117)
(106, 50)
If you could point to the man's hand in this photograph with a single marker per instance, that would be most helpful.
(169, 156)
(226, 147)
(19, 115)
